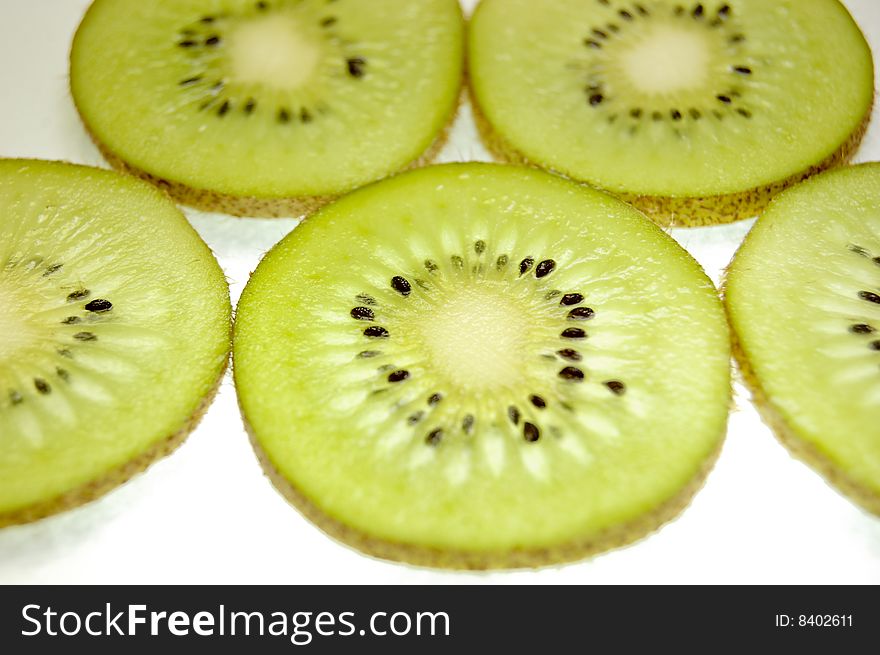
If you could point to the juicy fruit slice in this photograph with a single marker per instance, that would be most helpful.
(114, 332)
(260, 107)
(695, 112)
(803, 296)
(498, 368)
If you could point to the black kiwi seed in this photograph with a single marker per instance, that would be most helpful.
(415, 418)
(42, 386)
(695, 113)
(305, 116)
(369, 354)
(401, 285)
(502, 262)
(62, 373)
(596, 99)
(190, 81)
(362, 314)
(600, 34)
(698, 11)
(592, 43)
(875, 345)
(262, 6)
(467, 423)
(742, 70)
(85, 336)
(329, 21)
(531, 432)
(870, 296)
(207, 20)
(581, 314)
(723, 98)
(573, 333)
(616, 387)
(71, 320)
(526, 265)
(188, 43)
(249, 106)
(283, 115)
(356, 66)
(737, 38)
(862, 328)
(745, 113)
(480, 247)
(513, 415)
(724, 11)
(212, 40)
(99, 306)
(642, 10)
(376, 332)
(858, 250)
(16, 398)
(571, 373)
(365, 298)
(434, 437)
(457, 261)
(398, 376)
(876, 260)
(635, 113)
(435, 398)
(78, 295)
(569, 354)
(625, 15)
(537, 401)
(545, 268)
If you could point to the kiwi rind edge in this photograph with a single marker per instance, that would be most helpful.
(683, 211)
(526, 558)
(799, 448)
(105, 483)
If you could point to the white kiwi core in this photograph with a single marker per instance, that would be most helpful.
(668, 58)
(273, 51)
(475, 338)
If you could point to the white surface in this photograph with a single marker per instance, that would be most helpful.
(207, 514)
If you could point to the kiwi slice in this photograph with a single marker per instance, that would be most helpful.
(113, 336)
(267, 107)
(696, 112)
(499, 368)
(803, 294)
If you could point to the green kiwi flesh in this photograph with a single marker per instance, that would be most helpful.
(695, 112)
(114, 333)
(267, 107)
(496, 368)
(803, 295)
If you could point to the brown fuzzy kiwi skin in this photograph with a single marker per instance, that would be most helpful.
(810, 454)
(682, 211)
(461, 560)
(105, 483)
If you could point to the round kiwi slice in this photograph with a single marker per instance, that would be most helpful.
(267, 107)
(803, 294)
(696, 112)
(114, 333)
(495, 368)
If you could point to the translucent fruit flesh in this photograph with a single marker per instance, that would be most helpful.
(268, 99)
(672, 99)
(803, 295)
(115, 327)
(497, 362)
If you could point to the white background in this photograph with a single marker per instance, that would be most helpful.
(207, 514)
